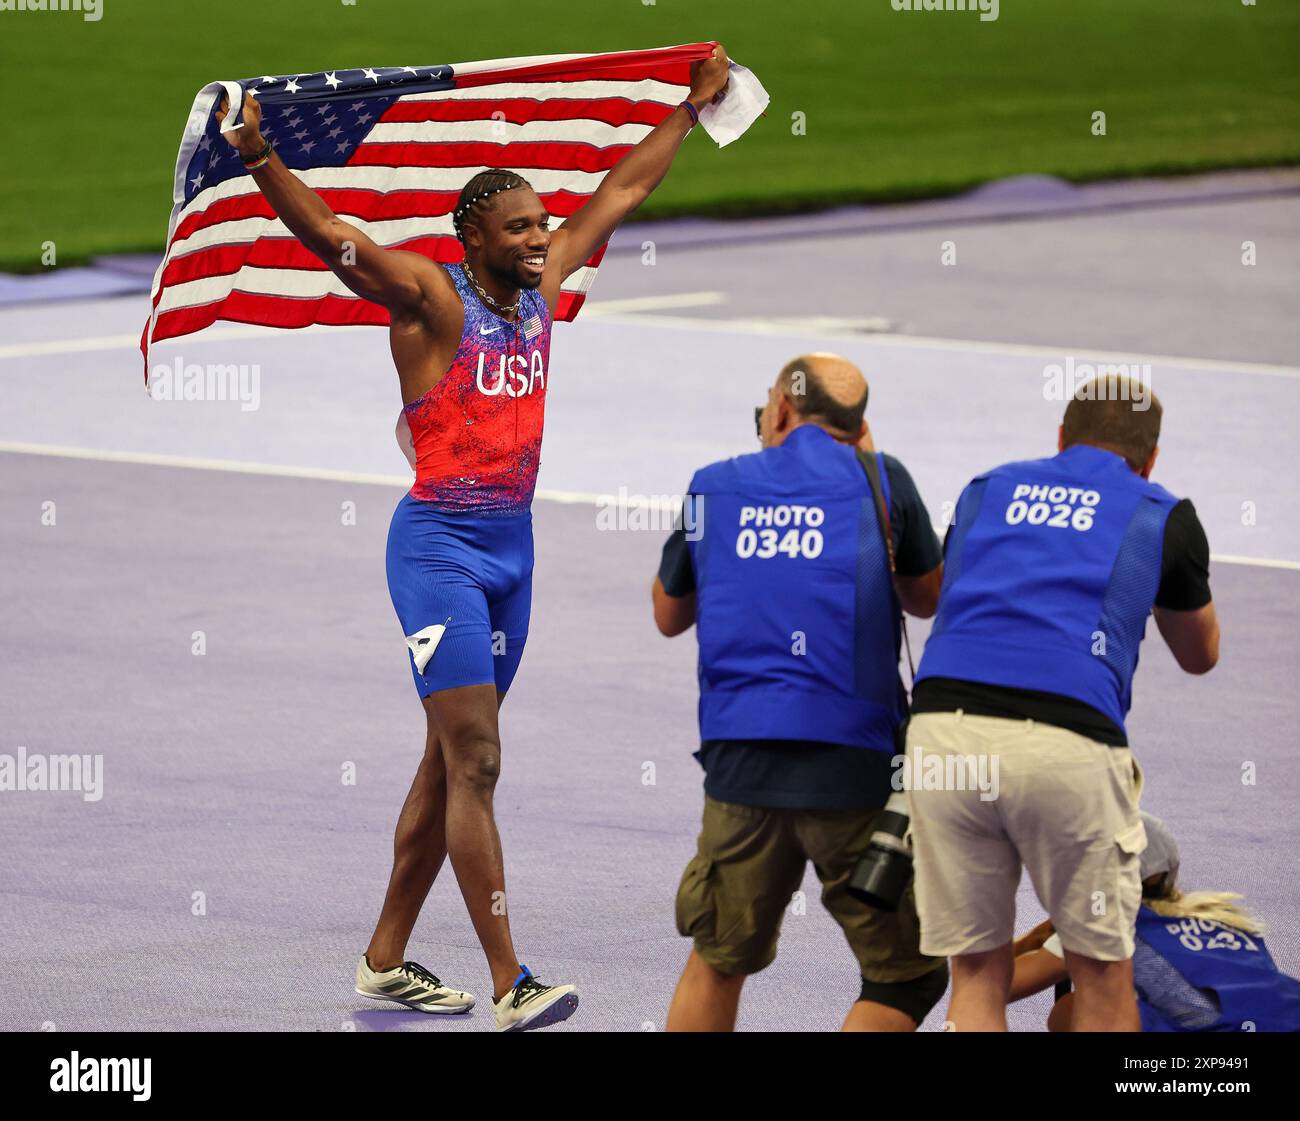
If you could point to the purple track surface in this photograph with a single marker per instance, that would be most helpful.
(223, 773)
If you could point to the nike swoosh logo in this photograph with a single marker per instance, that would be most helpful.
(487, 330)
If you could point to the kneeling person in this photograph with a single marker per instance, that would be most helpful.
(1200, 962)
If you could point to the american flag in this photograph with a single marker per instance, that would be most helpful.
(532, 327)
(389, 148)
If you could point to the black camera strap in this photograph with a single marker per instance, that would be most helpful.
(871, 465)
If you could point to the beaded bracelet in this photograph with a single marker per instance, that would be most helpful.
(260, 160)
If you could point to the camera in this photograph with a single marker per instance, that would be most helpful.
(881, 874)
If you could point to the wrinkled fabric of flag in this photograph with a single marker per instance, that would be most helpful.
(388, 149)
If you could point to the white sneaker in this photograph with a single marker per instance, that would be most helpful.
(412, 985)
(530, 1004)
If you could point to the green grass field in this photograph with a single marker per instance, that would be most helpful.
(897, 104)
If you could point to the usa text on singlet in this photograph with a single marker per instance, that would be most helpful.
(475, 438)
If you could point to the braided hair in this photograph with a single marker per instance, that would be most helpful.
(483, 186)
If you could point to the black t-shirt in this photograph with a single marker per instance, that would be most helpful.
(1184, 586)
(806, 774)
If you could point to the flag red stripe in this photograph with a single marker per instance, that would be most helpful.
(551, 154)
(522, 110)
(664, 64)
(283, 253)
(285, 311)
(269, 311)
(289, 253)
(363, 203)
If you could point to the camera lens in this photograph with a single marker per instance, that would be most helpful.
(882, 872)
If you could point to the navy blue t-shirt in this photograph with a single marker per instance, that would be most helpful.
(805, 774)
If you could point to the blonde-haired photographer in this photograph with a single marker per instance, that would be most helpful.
(1200, 964)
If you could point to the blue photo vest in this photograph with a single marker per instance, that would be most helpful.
(795, 611)
(1051, 570)
(1195, 975)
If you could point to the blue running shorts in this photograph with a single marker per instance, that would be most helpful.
(462, 587)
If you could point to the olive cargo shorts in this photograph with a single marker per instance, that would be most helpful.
(735, 891)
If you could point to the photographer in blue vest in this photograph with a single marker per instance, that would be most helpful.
(1200, 965)
(783, 563)
(1052, 567)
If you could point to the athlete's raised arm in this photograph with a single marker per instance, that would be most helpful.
(631, 180)
(405, 283)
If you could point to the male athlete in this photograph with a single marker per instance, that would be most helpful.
(471, 344)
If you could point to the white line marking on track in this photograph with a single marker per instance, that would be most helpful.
(151, 459)
(596, 310)
(1257, 562)
(132, 342)
(603, 308)
(628, 313)
(818, 329)
(570, 497)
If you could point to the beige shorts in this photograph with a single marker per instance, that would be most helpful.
(1063, 806)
